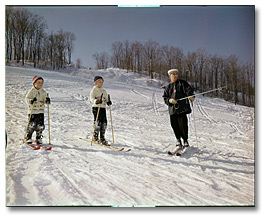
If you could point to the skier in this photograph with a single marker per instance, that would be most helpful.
(99, 99)
(36, 99)
(178, 109)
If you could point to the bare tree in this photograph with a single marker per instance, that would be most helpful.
(234, 68)
(70, 38)
(150, 54)
(138, 55)
(37, 34)
(117, 51)
(26, 39)
(101, 59)
(78, 63)
(192, 68)
(216, 69)
(250, 78)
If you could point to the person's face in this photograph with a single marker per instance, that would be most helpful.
(99, 83)
(39, 84)
(173, 77)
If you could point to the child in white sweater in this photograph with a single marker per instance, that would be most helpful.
(99, 98)
(36, 99)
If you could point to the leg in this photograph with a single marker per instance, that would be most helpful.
(176, 129)
(103, 125)
(97, 129)
(39, 127)
(183, 125)
(31, 129)
(175, 126)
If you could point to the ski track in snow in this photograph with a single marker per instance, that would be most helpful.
(220, 171)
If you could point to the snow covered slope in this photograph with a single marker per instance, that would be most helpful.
(218, 170)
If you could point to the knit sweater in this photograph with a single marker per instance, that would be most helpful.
(95, 94)
(39, 105)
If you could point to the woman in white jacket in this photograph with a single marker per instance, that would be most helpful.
(36, 99)
(99, 98)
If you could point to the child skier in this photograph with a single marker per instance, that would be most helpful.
(99, 99)
(36, 99)
(178, 109)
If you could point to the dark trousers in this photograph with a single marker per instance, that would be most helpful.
(102, 119)
(179, 123)
(36, 124)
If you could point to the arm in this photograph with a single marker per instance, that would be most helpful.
(92, 96)
(189, 91)
(30, 98)
(95, 97)
(166, 96)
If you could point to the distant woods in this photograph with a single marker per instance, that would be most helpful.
(204, 71)
(28, 42)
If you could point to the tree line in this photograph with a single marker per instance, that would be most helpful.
(201, 69)
(27, 41)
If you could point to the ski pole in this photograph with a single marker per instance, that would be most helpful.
(31, 111)
(220, 88)
(195, 125)
(96, 119)
(111, 117)
(49, 121)
(95, 124)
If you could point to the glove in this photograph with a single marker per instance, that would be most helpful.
(172, 101)
(191, 98)
(48, 100)
(109, 103)
(98, 101)
(33, 100)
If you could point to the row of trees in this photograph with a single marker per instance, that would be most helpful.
(27, 41)
(202, 70)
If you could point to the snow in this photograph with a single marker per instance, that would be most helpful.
(217, 171)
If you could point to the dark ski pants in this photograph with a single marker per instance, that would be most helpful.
(179, 123)
(36, 124)
(102, 119)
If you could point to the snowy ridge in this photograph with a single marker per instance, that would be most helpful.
(220, 171)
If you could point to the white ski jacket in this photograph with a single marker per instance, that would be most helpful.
(95, 94)
(39, 105)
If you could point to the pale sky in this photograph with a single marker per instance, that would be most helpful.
(220, 30)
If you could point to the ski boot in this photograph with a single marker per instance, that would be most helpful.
(179, 147)
(39, 137)
(102, 139)
(39, 140)
(28, 139)
(179, 144)
(95, 138)
(186, 144)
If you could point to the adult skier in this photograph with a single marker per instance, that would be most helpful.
(178, 109)
(99, 99)
(36, 99)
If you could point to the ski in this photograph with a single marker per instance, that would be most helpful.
(171, 153)
(183, 151)
(31, 145)
(43, 146)
(111, 147)
(179, 152)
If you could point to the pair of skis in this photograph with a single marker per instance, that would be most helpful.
(179, 152)
(36, 146)
(110, 147)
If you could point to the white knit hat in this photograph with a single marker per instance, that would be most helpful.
(172, 70)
